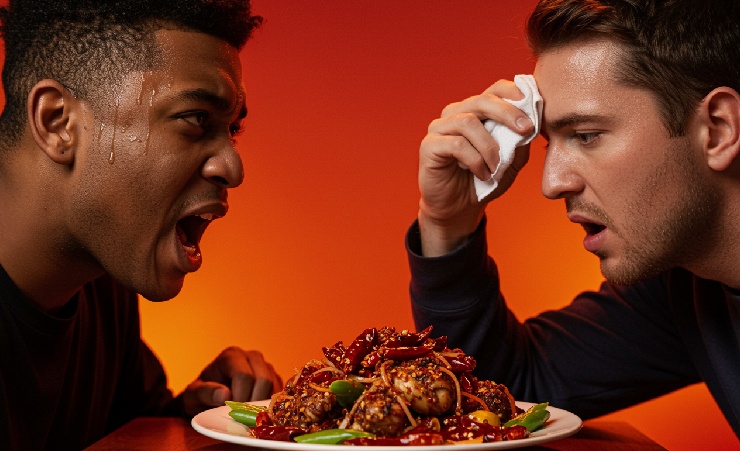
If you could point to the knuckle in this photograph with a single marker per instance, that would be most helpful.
(500, 82)
(232, 350)
(491, 148)
(254, 354)
(458, 143)
(434, 126)
(469, 120)
(447, 111)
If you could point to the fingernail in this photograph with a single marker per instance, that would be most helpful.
(522, 123)
(220, 395)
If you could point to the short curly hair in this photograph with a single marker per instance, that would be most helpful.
(84, 44)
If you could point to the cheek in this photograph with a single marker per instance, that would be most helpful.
(653, 189)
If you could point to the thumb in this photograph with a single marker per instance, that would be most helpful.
(202, 395)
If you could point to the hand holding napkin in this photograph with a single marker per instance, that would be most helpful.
(507, 139)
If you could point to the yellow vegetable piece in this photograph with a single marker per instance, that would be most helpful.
(484, 416)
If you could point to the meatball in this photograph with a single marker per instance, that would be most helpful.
(309, 409)
(427, 389)
(306, 401)
(379, 412)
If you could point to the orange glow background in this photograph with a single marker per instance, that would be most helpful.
(340, 94)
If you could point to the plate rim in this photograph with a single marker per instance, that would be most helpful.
(538, 437)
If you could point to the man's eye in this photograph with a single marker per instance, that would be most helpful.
(196, 118)
(587, 137)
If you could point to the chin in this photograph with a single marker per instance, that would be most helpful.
(161, 294)
(627, 273)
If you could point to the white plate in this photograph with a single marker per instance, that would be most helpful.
(216, 423)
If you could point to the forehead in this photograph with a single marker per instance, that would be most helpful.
(580, 79)
(193, 60)
(581, 72)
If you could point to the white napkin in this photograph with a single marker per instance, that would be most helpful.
(507, 139)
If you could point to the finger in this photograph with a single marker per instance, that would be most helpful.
(264, 375)
(250, 375)
(444, 151)
(200, 395)
(491, 105)
(521, 157)
(244, 372)
(477, 139)
(262, 389)
(506, 89)
(242, 385)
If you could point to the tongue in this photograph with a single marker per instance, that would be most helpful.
(190, 249)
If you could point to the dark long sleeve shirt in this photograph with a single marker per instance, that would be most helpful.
(607, 350)
(67, 381)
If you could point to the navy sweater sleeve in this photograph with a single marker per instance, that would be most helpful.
(605, 351)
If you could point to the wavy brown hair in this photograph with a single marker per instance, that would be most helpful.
(679, 50)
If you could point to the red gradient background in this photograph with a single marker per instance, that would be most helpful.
(340, 94)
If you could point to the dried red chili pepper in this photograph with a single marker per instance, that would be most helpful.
(359, 348)
(440, 343)
(461, 363)
(409, 339)
(516, 432)
(467, 382)
(323, 376)
(335, 353)
(279, 433)
(407, 353)
(263, 419)
(371, 360)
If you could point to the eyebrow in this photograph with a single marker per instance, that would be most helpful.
(574, 119)
(204, 95)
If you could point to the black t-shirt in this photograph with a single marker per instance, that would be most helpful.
(67, 381)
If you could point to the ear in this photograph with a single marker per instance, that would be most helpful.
(719, 116)
(52, 116)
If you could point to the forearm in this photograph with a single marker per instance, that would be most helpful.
(453, 292)
(571, 357)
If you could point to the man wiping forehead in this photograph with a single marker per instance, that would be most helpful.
(642, 117)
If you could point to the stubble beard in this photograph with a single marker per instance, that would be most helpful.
(680, 236)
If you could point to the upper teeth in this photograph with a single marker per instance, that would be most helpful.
(206, 216)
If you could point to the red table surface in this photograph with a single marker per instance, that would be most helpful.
(175, 434)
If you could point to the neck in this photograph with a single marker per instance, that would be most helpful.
(721, 260)
(36, 251)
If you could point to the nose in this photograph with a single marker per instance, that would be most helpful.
(560, 175)
(225, 167)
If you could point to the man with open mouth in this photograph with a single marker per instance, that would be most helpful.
(641, 112)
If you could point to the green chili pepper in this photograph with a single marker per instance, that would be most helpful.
(346, 391)
(533, 419)
(331, 436)
(244, 413)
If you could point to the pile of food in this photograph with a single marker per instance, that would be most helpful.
(391, 388)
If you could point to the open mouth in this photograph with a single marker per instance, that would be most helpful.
(189, 231)
(592, 228)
